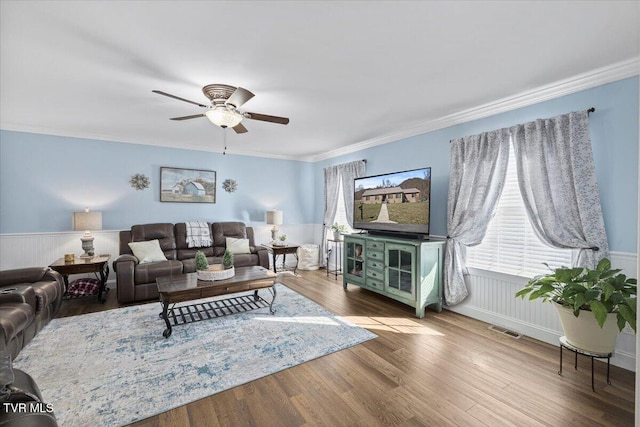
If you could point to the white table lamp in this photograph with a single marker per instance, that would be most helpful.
(87, 221)
(274, 217)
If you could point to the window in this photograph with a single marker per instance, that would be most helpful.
(510, 245)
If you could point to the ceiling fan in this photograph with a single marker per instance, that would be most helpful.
(223, 111)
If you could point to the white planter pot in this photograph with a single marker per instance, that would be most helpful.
(583, 332)
(336, 235)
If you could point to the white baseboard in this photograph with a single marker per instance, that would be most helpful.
(620, 358)
(492, 299)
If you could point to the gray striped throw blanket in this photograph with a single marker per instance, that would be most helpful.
(198, 234)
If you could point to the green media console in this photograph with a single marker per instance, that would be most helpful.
(407, 270)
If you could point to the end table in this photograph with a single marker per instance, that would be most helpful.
(276, 250)
(97, 264)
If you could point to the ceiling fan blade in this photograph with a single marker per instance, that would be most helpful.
(195, 116)
(239, 97)
(239, 128)
(267, 118)
(159, 92)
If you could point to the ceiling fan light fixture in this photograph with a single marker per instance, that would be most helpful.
(223, 117)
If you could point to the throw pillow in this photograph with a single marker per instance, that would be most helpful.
(147, 251)
(238, 246)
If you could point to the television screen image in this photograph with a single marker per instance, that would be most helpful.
(394, 202)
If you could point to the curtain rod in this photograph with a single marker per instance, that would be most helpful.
(590, 110)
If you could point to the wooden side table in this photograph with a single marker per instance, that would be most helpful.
(276, 250)
(98, 264)
(334, 247)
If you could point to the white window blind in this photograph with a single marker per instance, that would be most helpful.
(510, 245)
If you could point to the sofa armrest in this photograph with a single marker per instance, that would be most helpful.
(125, 267)
(263, 256)
(22, 275)
(21, 294)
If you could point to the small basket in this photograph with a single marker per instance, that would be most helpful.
(216, 272)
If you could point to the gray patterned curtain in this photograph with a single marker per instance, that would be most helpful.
(478, 169)
(557, 179)
(346, 172)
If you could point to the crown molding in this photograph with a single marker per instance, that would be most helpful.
(99, 137)
(588, 80)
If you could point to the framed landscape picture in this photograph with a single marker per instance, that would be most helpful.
(187, 185)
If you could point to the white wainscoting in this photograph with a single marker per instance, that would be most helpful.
(19, 250)
(491, 299)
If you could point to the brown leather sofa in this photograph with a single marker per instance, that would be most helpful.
(137, 282)
(29, 299)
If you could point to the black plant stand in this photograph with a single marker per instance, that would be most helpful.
(592, 355)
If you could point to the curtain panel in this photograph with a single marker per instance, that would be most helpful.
(556, 175)
(346, 173)
(478, 170)
(557, 181)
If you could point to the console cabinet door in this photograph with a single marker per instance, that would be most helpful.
(401, 270)
(354, 254)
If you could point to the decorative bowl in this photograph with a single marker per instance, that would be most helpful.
(216, 272)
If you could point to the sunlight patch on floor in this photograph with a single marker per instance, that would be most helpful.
(392, 324)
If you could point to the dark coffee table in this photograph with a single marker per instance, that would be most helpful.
(187, 287)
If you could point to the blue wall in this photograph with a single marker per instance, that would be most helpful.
(44, 178)
(614, 136)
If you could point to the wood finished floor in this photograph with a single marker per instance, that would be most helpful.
(443, 370)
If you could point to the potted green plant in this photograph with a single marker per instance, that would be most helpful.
(227, 259)
(594, 304)
(202, 267)
(338, 229)
(226, 270)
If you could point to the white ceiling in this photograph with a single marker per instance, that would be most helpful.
(345, 73)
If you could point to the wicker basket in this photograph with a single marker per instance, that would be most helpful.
(216, 272)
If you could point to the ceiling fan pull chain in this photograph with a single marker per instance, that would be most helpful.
(224, 139)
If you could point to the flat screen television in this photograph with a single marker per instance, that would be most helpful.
(393, 203)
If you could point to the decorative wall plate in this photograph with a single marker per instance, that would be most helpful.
(229, 185)
(139, 181)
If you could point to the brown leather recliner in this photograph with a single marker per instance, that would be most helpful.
(20, 399)
(137, 282)
(29, 299)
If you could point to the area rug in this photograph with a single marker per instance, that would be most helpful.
(114, 367)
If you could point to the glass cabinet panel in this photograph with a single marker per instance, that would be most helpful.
(400, 269)
(354, 257)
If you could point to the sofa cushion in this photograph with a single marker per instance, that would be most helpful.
(238, 246)
(222, 230)
(149, 272)
(163, 232)
(245, 260)
(147, 251)
(189, 265)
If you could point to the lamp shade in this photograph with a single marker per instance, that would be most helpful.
(85, 220)
(274, 217)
